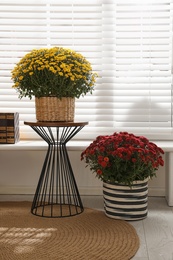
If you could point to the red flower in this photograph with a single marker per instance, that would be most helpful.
(99, 172)
(102, 149)
(91, 151)
(100, 158)
(123, 157)
(133, 160)
(103, 164)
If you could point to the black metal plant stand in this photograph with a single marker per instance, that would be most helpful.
(57, 193)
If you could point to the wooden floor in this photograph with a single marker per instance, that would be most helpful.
(155, 232)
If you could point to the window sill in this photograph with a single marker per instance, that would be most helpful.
(41, 145)
(167, 146)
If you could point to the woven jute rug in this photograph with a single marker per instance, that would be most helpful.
(88, 236)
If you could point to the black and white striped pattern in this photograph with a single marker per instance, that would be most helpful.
(124, 202)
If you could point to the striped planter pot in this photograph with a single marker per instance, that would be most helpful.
(124, 202)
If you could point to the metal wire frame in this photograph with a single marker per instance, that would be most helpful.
(57, 193)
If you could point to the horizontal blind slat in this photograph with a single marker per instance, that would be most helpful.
(128, 43)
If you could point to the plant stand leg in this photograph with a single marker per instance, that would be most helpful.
(57, 193)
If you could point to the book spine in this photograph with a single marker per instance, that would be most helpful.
(9, 128)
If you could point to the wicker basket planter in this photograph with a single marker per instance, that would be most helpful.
(55, 109)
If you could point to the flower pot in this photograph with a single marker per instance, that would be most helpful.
(124, 202)
(55, 109)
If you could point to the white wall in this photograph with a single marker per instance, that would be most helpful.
(20, 170)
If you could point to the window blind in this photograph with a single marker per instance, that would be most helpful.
(129, 44)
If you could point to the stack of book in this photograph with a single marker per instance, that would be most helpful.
(9, 128)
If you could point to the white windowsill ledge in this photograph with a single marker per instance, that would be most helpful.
(167, 146)
(42, 145)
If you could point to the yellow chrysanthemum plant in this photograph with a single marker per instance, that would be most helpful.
(55, 71)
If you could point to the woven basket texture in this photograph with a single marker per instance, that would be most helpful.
(55, 109)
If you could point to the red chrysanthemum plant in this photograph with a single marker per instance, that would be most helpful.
(123, 158)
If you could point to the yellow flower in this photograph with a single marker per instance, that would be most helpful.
(72, 78)
(56, 71)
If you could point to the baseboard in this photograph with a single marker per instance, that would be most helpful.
(156, 192)
(30, 190)
(24, 191)
(27, 192)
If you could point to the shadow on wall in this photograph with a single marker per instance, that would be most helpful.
(145, 113)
